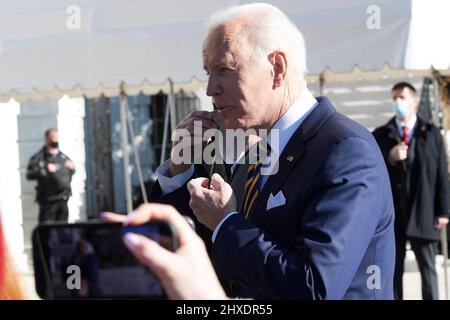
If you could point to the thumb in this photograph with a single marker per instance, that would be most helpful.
(149, 253)
(216, 181)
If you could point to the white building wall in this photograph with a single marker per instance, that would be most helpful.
(67, 116)
(10, 185)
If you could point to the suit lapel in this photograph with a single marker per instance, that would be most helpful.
(419, 138)
(292, 154)
(395, 135)
(392, 130)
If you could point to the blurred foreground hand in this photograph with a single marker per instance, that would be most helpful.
(184, 274)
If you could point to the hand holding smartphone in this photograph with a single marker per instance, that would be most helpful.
(90, 261)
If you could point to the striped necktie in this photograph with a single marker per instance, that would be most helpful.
(252, 186)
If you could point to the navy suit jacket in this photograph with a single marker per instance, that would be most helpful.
(334, 236)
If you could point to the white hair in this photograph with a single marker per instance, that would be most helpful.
(267, 29)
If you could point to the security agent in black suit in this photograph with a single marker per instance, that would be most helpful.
(53, 171)
(415, 156)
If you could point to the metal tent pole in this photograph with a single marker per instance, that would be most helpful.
(137, 160)
(124, 142)
(169, 112)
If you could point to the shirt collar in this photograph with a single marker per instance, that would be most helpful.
(291, 121)
(410, 124)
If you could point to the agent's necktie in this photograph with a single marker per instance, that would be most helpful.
(405, 134)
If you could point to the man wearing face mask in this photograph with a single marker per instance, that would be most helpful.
(415, 156)
(53, 171)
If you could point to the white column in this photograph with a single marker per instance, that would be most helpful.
(71, 137)
(10, 184)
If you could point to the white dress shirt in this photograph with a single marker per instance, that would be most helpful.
(410, 124)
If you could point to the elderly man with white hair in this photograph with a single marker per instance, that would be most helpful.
(321, 227)
(319, 223)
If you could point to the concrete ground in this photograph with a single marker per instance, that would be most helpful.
(29, 287)
(411, 279)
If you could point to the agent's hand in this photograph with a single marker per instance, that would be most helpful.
(69, 165)
(193, 136)
(399, 152)
(184, 274)
(52, 167)
(210, 205)
(440, 222)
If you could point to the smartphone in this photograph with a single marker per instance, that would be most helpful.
(89, 261)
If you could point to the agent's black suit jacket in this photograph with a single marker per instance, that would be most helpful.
(415, 211)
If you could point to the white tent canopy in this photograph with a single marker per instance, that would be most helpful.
(143, 43)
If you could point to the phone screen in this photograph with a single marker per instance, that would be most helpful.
(90, 261)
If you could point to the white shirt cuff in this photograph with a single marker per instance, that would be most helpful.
(216, 230)
(169, 184)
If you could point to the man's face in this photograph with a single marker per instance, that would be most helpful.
(241, 88)
(51, 138)
(408, 96)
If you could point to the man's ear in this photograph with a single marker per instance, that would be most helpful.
(416, 102)
(279, 62)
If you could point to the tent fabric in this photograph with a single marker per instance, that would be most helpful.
(143, 43)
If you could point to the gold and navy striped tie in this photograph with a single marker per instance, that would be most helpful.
(252, 186)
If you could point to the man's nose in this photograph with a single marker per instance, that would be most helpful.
(214, 88)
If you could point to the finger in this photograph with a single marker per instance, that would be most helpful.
(201, 114)
(205, 183)
(197, 184)
(200, 127)
(216, 182)
(148, 252)
(156, 211)
(195, 132)
(197, 122)
(196, 114)
(113, 217)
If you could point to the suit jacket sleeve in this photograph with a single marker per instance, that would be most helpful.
(179, 199)
(72, 172)
(442, 188)
(385, 148)
(36, 168)
(339, 222)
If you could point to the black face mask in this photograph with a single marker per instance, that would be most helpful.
(54, 144)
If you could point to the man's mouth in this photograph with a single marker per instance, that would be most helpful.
(222, 108)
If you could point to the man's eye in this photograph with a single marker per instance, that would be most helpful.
(207, 72)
